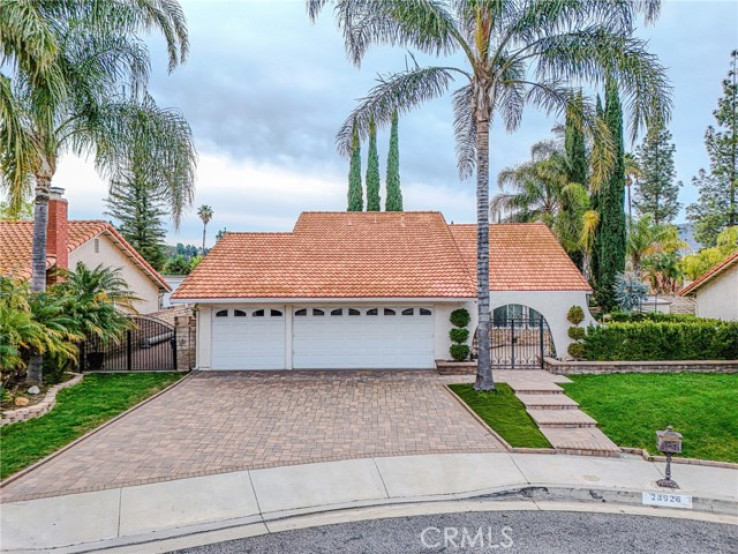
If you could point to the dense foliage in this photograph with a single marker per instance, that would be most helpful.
(651, 340)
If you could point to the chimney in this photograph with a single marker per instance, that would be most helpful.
(57, 229)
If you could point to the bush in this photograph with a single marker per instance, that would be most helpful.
(652, 340)
(577, 333)
(459, 352)
(459, 336)
(576, 349)
(460, 317)
(575, 315)
(625, 317)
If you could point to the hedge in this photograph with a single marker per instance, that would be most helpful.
(651, 340)
(634, 317)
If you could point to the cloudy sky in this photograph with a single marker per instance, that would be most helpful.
(265, 91)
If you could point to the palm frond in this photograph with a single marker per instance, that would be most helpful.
(465, 131)
(399, 92)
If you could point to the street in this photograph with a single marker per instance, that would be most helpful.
(524, 532)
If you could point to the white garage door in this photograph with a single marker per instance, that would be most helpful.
(249, 338)
(355, 338)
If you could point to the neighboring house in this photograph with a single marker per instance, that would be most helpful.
(366, 290)
(173, 281)
(716, 291)
(91, 242)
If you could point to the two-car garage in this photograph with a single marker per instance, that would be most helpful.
(322, 337)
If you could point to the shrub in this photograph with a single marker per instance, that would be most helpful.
(575, 315)
(459, 336)
(460, 317)
(576, 349)
(624, 317)
(577, 333)
(652, 340)
(459, 352)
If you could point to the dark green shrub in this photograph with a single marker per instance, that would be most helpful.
(460, 317)
(459, 336)
(575, 315)
(459, 352)
(626, 317)
(576, 349)
(651, 340)
(577, 333)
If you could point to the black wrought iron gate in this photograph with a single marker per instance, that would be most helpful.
(519, 342)
(149, 346)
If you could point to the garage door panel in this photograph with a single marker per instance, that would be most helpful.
(364, 341)
(248, 342)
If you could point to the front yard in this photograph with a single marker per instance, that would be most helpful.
(504, 413)
(630, 408)
(79, 409)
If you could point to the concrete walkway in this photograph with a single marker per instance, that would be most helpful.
(141, 514)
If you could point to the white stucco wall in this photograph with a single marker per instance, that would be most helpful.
(552, 305)
(718, 298)
(441, 324)
(109, 255)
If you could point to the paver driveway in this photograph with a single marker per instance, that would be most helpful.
(215, 422)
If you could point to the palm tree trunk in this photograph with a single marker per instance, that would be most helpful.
(484, 379)
(34, 374)
(204, 230)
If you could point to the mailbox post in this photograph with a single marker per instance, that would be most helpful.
(669, 442)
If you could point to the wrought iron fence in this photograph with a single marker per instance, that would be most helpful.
(149, 346)
(519, 342)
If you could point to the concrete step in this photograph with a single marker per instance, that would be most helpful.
(561, 418)
(587, 441)
(547, 402)
(531, 387)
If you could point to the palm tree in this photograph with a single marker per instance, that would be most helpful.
(515, 52)
(205, 213)
(100, 59)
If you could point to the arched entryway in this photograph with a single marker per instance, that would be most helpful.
(520, 338)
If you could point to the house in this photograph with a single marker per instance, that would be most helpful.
(716, 291)
(366, 290)
(91, 242)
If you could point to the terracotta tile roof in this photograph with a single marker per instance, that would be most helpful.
(709, 274)
(523, 256)
(376, 255)
(16, 238)
(336, 255)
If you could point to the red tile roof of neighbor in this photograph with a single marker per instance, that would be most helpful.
(16, 238)
(709, 274)
(377, 255)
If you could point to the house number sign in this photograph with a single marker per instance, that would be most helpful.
(667, 500)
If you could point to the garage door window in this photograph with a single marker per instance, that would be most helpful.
(318, 312)
(221, 313)
(337, 311)
(353, 311)
(301, 312)
(425, 311)
(276, 313)
(389, 311)
(258, 313)
(372, 311)
(408, 311)
(239, 313)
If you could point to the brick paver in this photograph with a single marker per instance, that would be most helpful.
(216, 422)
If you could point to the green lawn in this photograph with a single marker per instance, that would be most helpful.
(504, 413)
(630, 408)
(78, 409)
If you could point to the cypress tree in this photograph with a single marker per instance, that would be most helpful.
(355, 195)
(611, 203)
(596, 205)
(372, 172)
(657, 191)
(393, 203)
(576, 156)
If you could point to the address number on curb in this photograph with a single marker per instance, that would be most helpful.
(667, 500)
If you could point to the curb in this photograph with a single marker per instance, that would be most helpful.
(42, 461)
(519, 498)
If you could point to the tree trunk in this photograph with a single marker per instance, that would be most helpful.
(204, 230)
(34, 374)
(484, 379)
